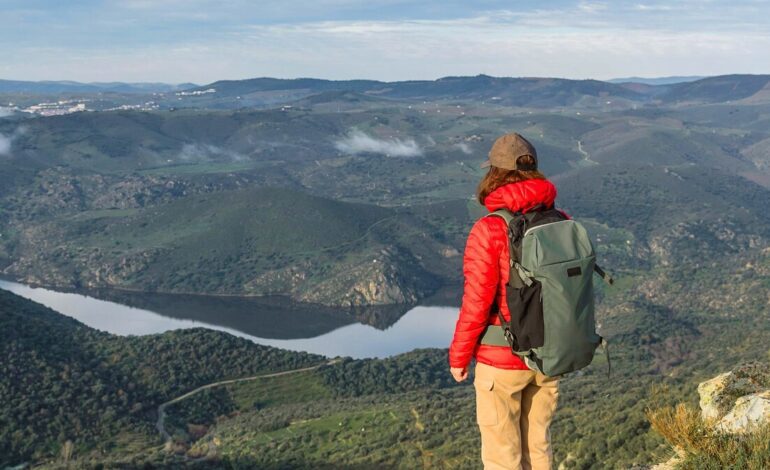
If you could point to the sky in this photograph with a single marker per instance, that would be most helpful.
(201, 41)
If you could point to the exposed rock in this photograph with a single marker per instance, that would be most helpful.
(120, 271)
(718, 395)
(710, 393)
(392, 277)
(671, 463)
(748, 412)
(736, 402)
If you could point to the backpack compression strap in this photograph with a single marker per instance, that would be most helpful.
(607, 278)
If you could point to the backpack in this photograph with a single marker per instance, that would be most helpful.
(549, 293)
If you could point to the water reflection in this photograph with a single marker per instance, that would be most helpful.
(266, 317)
(362, 332)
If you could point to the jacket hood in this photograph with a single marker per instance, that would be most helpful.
(521, 196)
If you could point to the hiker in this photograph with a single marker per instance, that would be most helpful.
(514, 404)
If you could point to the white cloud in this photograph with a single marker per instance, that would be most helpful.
(5, 112)
(6, 141)
(645, 7)
(357, 142)
(592, 7)
(584, 40)
(5, 145)
(200, 153)
(464, 148)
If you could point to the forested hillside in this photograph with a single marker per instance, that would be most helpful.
(64, 382)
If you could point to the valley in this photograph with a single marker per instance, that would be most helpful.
(352, 201)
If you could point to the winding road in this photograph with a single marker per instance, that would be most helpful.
(586, 156)
(161, 423)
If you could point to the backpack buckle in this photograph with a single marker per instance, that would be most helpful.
(526, 276)
(511, 339)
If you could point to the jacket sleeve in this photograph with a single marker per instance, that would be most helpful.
(481, 272)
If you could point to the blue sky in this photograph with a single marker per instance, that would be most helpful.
(206, 40)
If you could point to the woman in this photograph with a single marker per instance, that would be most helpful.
(514, 405)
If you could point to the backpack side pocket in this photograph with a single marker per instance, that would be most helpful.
(525, 305)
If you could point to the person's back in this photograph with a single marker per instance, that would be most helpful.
(515, 405)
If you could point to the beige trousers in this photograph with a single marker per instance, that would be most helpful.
(514, 409)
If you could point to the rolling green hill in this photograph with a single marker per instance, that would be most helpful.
(650, 200)
(717, 89)
(252, 241)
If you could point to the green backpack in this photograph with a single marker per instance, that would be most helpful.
(549, 293)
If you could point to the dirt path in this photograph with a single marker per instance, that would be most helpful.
(586, 156)
(160, 425)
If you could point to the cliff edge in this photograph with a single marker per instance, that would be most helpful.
(730, 430)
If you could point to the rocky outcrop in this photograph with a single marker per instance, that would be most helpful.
(734, 413)
(735, 399)
(748, 411)
(391, 276)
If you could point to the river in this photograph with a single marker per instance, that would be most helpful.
(360, 333)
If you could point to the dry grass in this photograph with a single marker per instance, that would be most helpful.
(704, 447)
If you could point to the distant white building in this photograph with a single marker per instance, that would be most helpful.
(196, 92)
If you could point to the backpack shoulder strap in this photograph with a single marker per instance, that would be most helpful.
(514, 279)
(514, 282)
(504, 214)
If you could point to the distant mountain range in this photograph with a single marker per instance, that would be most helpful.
(509, 91)
(538, 92)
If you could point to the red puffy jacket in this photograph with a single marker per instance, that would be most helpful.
(485, 267)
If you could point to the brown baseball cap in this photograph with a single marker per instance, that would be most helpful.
(507, 149)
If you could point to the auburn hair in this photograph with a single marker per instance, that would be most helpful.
(497, 177)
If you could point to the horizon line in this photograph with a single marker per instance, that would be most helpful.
(152, 82)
